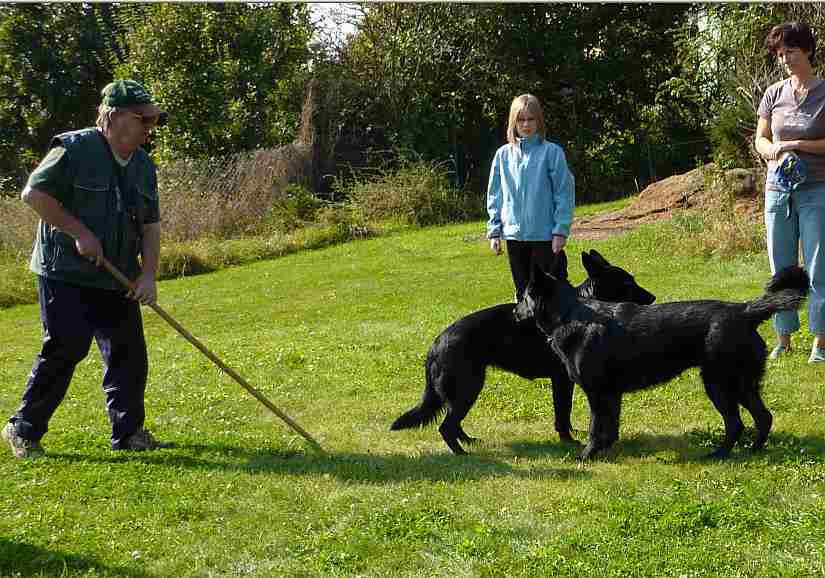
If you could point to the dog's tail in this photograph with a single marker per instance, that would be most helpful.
(784, 292)
(426, 411)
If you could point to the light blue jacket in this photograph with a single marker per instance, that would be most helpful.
(531, 192)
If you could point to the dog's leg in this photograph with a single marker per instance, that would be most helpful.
(462, 435)
(610, 426)
(472, 382)
(592, 439)
(749, 395)
(562, 387)
(721, 391)
(450, 428)
(762, 418)
(751, 400)
(604, 423)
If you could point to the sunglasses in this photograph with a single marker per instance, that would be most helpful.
(146, 120)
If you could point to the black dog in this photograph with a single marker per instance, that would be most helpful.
(610, 349)
(458, 358)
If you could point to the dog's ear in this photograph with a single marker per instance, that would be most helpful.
(599, 258)
(533, 294)
(594, 261)
(540, 282)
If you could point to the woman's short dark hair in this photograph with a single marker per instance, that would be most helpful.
(792, 35)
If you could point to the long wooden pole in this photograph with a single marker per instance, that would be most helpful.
(123, 280)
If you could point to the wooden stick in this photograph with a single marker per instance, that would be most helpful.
(214, 358)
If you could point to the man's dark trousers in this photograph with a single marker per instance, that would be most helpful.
(72, 315)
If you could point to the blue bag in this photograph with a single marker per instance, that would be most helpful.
(791, 172)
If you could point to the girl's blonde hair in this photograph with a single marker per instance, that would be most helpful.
(529, 104)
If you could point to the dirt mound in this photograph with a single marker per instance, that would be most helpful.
(700, 187)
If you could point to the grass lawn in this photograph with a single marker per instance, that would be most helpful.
(337, 338)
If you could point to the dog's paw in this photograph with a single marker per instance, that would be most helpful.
(567, 438)
(717, 455)
(462, 436)
(590, 450)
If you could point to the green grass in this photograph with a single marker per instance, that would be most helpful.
(337, 338)
(187, 258)
(605, 207)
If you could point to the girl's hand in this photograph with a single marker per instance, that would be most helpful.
(495, 245)
(558, 243)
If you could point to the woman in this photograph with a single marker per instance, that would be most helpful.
(791, 121)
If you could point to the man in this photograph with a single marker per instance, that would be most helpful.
(96, 195)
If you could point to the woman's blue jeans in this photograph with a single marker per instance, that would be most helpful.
(792, 219)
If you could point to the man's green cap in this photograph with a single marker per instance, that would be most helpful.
(131, 94)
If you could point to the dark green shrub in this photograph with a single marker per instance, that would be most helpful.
(416, 193)
(301, 202)
(294, 209)
(730, 135)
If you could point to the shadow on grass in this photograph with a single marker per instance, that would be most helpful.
(548, 449)
(370, 468)
(18, 559)
(353, 467)
(695, 445)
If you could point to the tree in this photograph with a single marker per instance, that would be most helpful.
(230, 75)
(54, 59)
(722, 49)
(439, 78)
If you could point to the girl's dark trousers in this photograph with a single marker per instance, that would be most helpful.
(72, 316)
(522, 256)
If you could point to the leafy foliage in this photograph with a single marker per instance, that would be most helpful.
(417, 193)
(53, 62)
(230, 75)
(418, 78)
(724, 58)
(439, 78)
(633, 92)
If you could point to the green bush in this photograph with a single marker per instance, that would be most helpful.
(416, 193)
(730, 135)
(294, 209)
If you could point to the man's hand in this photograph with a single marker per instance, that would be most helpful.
(145, 291)
(558, 243)
(495, 245)
(51, 211)
(89, 247)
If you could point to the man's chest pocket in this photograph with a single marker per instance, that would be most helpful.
(90, 198)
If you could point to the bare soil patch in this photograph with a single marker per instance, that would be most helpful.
(698, 188)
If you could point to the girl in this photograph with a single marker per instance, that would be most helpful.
(530, 195)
